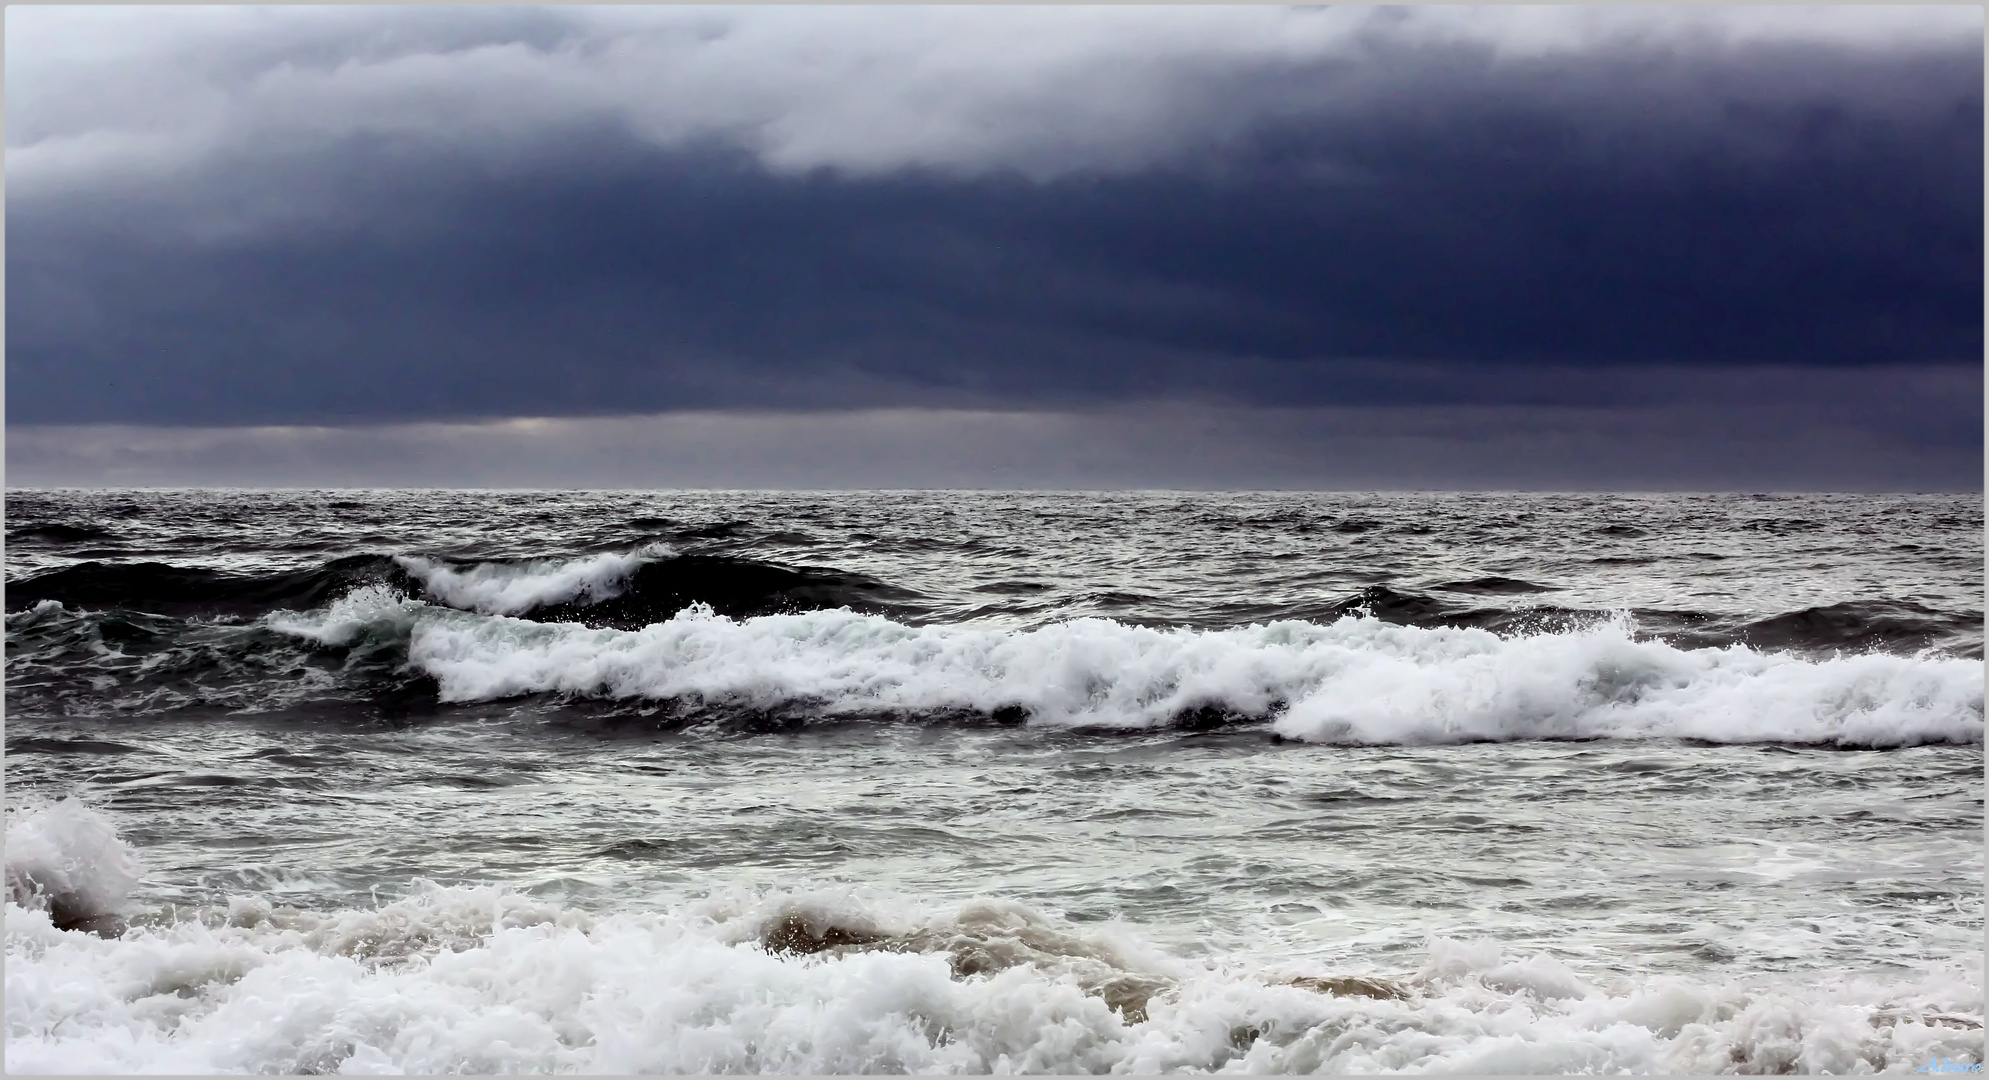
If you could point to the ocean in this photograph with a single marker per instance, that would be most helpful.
(485, 781)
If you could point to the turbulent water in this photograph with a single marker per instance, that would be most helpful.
(447, 781)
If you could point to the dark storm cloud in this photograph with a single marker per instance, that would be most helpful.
(1514, 216)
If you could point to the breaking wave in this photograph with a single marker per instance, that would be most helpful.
(653, 582)
(718, 635)
(841, 980)
(66, 861)
(468, 979)
(514, 588)
(1355, 680)
(479, 979)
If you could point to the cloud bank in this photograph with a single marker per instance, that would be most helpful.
(1777, 431)
(234, 217)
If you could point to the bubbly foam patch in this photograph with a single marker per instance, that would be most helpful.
(515, 588)
(477, 980)
(66, 860)
(375, 612)
(1352, 681)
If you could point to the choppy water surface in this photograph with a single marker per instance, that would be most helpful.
(960, 781)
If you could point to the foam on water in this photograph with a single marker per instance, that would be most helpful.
(474, 979)
(1355, 680)
(65, 859)
(676, 903)
(515, 588)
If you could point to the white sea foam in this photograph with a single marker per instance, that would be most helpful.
(27, 617)
(66, 859)
(476, 980)
(515, 588)
(1354, 681)
(375, 611)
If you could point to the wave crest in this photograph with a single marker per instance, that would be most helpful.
(1355, 680)
(514, 588)
(67, 860)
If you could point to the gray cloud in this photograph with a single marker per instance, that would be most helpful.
(395, 218)
(103, 95)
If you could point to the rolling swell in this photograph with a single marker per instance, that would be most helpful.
(189, 592)
(1860, 625)
(634, 589)
(82, 664)
(733, 587)
(629, 592)
(1496, 586)
(58, 533)
(1857, 626)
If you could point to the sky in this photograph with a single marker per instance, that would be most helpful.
(1224, 247)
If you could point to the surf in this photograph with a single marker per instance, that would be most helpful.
(1355, 680)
